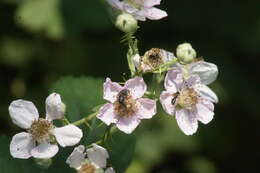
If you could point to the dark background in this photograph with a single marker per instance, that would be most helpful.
(43, 40)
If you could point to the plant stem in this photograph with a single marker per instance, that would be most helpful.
(65, 121)
(85, 119)
(131, 53)
(112, 130)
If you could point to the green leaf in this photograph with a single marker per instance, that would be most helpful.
(121, 150)
(80, 95)
(56, 18)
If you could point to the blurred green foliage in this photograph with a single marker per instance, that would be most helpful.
(41, 41)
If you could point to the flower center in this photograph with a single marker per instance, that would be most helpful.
(125, 104)
(40, 130)
(153, 58)
(87, 168)
(187, 98)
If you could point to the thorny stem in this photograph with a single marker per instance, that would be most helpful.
(85, 119)
(132, 50)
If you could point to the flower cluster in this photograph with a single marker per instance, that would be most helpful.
(186, 96)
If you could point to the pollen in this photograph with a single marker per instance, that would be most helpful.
(153, 58)
(187, 98)
(87, 168)
(125, 104)
(40, 130)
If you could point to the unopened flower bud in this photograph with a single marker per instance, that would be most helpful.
(126, 23)
(185, 53)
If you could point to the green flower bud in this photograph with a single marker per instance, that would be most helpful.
(185, 53)
(126, 23)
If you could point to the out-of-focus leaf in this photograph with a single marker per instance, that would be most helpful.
(122, 147)
(161, 135)
(16, 52)
(82, 15)
(201, 165)
(41, 16)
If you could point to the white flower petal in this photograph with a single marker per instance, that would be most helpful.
(166, 101)
(137, 87)
(110, 170)
(205, 111)
(111, 90)
(139, 15)
(21, 145)
(186, 121)
(207, 72)
(173, 80)
(193, 81)
(146, 108)
(116, 3)
(98, 155)
(76, 157)
(55, 109)
(151, 3)
(154, 13)
(167, 56)
(207, 93)
(107, 115)
(23, 113)
(127, 124)
(129, 8)
(45, 151)
(68, 135)
(136, 60)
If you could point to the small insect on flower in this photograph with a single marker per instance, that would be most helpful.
(95, 162)
(188, 100)
(126, 107)
(139, 9)
(175, 96)
(42, 136)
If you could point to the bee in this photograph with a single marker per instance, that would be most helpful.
(175, 96)
(122, 96)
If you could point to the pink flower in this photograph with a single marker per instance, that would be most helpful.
(189, 100)
(126, 107)
(140, 9)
